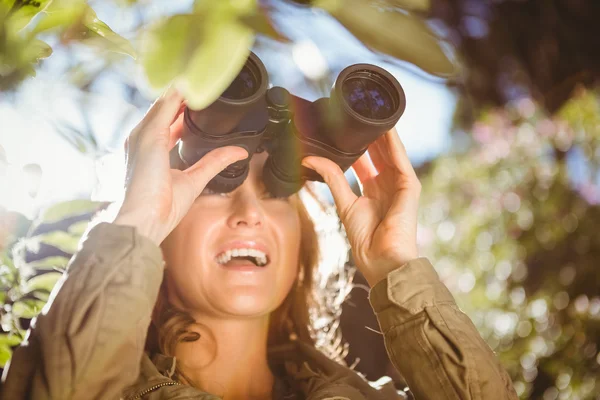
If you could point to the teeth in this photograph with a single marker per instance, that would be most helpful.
(259, 256)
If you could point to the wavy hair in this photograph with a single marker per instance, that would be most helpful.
(309, 313)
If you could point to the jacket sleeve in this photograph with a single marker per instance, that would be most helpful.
(433, 344)
(88, 341)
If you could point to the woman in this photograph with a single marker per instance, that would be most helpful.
(230, 318)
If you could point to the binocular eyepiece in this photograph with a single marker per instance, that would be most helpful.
(365, 102)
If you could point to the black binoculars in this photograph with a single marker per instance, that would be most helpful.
(365, 102)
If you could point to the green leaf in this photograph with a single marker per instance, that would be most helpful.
(392, 32)
(8, 4)
(41, 295)
(260, 23)
(82, 24)
(105, 37)
(411, 5)
(59, 14)
(23, 11)
(55, 262)
(167, 48)
(27, 308)
(5, 355)
(225, 7)
(202, 52)
(9, 339)
(61, 240)
(43, 282)
(78, 228)
(36, 50)
(66, 209)
(8, 276)
(216, 63)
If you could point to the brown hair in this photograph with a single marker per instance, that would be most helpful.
(292, 318)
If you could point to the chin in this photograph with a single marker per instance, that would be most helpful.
(249, 303)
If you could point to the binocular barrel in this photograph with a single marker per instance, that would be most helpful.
(365, 102)
(245, 92)
(368, 101)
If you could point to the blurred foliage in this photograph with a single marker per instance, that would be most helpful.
(393, 31)
(509, 49)
(509, 217)
(23, 24)
(33, 255)
(200, 52)
(515, 237)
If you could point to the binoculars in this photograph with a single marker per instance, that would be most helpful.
(365, 102)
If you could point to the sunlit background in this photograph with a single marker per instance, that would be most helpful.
(508, 152)
(29, 118)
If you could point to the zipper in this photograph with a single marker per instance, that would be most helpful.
(151, 389)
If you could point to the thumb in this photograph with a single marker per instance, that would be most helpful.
(211, 164)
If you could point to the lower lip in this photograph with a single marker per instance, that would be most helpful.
(243, 268)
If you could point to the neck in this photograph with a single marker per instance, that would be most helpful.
(229, 359)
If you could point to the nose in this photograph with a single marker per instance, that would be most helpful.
(246, 211)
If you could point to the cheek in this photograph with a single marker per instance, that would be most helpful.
(289, 234)
(185, 251)
(286, 224)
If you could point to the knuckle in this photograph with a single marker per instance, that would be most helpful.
(209, 162)
(149, 140)
(335, 174)
(418, 185)
(195, 181)
(415, 183)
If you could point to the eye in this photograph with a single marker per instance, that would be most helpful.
(266, 195)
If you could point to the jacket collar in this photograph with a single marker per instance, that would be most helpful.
(304, 373)
(318, 376)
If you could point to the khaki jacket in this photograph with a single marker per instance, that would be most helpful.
(88, 342)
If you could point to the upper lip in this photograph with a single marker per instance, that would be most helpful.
(244, 244)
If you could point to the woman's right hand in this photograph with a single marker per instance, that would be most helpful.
(156, 196)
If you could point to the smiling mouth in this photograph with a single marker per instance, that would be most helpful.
(242, 257)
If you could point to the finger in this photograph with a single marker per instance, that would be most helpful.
(398, 154)
(176, 129)
(379, 157)
(155, 128)
(164, 110)
(179, 112)
(405, 203)
(335, 179)
(211, 164)
(364, 168)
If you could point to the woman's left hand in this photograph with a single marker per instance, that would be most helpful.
(382, 223)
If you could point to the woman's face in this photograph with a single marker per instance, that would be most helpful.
(200, 279)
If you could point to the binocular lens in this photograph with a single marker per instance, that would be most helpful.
(369, 95)
(245, 84)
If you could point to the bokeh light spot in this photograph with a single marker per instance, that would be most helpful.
(561, 300)
(446, 231)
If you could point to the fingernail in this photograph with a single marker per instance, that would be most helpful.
(245, 152)
(307, 164)
(170, 92)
